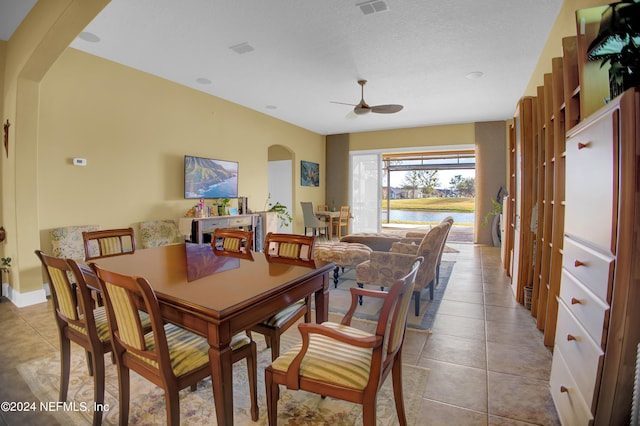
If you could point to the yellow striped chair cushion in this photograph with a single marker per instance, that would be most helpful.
(63, 293)
(289, 250)
(188, 351)
(110, 245)
(102, 326)
(281, 317)
(231, 244)
(331, 361)
(125, 315)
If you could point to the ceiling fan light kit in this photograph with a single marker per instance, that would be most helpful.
(363, 108)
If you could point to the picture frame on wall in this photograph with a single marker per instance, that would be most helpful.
(309, 173)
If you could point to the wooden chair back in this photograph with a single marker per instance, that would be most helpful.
(232, 240)
(289, 248)
(109, 242)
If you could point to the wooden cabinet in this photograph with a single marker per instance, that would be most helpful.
(206, 225)
(598, 322)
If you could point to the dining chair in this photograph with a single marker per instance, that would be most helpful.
(346, 363)
(342, 222)
(109, 242)
(169, 356)
(294, 250)
(77, 322)
(323, 208)
(311, 221)
(232, 240)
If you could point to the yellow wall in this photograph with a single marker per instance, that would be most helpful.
(455, 134)
(134, 130)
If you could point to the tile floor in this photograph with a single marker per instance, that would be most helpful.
(487, 360)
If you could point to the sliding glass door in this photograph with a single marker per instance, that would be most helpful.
(366, 170)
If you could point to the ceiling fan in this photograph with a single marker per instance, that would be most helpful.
(363, 108)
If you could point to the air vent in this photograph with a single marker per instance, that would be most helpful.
(373, 6)
(242, 48)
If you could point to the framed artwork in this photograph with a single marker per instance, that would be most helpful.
(309, 173)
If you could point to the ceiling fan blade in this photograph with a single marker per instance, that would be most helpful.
(386, 109)
(342, 103)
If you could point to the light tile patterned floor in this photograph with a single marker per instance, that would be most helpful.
(488, 363)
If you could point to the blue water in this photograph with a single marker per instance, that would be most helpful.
(225, 189)
(420, 216)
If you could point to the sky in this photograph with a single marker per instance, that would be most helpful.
(444, 176)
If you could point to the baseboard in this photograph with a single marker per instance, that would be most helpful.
(23, 299)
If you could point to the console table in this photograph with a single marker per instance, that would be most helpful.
(206, 225)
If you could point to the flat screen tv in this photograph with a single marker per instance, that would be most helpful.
(208, 178)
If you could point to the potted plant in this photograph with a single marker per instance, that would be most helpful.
(223, 207)
(284, 217)
(618, 44)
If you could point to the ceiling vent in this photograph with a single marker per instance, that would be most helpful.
(242, 48)
(373, 6)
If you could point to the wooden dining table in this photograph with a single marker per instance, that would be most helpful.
(219, 296)
(331, 216)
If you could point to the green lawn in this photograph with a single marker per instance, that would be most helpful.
(466, 205)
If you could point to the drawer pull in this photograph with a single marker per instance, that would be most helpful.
(575, 301)
(571, 337)
(577, 264)
(563, 389)
(584, 145)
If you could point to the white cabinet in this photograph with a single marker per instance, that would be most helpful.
(598, 323)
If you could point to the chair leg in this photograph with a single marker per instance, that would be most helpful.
(98, 387)
(307, 314)
(273, 394)
(89, 362)
(252, 368)
(65, 359)
(123, 378)
(438, 273)
(431, 286)
(416, 297)
(173, 406)
(360, 297)
(396, 373)
(275, 345)
(369, 412)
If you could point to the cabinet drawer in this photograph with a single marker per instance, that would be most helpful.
(572, 408)
(592, 268)
(209, 225)
(590, 183)
(240, 221)
(590, 311)
(576, 345)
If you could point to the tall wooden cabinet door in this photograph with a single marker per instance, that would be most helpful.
(525, 168)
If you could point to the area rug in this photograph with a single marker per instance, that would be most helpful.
(340, 299)
(197, 408)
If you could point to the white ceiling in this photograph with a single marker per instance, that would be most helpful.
(309, 53)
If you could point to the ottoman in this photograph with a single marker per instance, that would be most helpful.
(342, 254)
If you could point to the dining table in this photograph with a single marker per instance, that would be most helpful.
(330, 216)
(218, 296)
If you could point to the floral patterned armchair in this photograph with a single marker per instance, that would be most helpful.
(430, 249)
(67, 242)
(383, 269)
(157, 233)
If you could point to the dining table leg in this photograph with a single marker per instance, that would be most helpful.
(222, 383)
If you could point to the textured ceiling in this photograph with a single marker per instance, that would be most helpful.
(309, 53)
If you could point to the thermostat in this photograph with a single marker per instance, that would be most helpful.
(79, 161)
